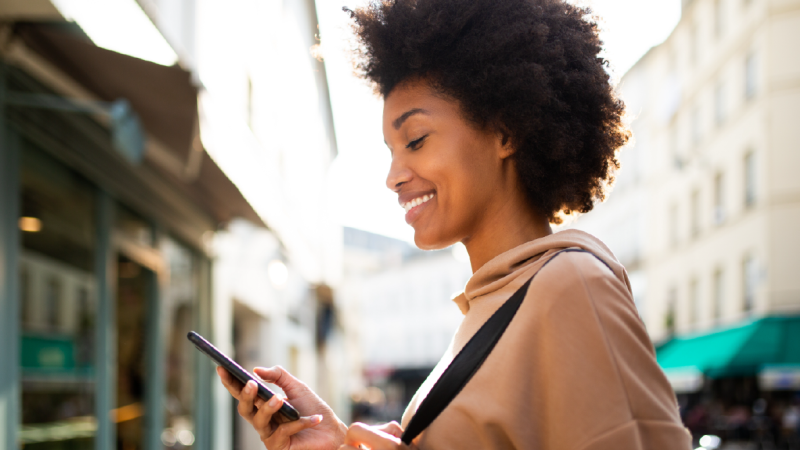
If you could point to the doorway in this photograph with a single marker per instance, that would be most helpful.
(132, 302)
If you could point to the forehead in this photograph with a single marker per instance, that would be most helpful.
(414, 95)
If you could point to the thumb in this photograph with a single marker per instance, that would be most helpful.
(392, 428)
(280, 438)
(283, 379)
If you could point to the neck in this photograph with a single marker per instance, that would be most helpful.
(510, 225)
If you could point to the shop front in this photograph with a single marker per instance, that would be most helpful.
(741, 383)
(103, 260)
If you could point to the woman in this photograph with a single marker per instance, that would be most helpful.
(500, 119)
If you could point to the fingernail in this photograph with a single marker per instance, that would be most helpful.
(273, 402)
(316, 418)
(251, 386)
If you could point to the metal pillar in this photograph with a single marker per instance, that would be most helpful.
(155, 389)
(106, 343)
(204, 405)
(9, 277)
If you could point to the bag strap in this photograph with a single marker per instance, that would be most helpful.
(470, 358)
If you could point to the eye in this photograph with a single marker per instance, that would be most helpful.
(415, 144)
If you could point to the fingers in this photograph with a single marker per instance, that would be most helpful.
(283, 379)
(279, 438)
(247, 401)
(392, 428)
(375, 439)
(231, 384)
(259, 413)
(263, 417)
(235, 387)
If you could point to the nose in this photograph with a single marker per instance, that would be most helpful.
(399, 173)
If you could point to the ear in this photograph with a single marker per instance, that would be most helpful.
(505, 147)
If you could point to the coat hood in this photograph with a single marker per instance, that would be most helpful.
(504, 268)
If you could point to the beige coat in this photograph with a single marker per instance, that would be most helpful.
(575, 370)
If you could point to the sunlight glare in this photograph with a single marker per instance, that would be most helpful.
(120, 26)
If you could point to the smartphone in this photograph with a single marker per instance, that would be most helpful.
(287, 413)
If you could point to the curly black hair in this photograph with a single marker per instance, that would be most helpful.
(529, 68)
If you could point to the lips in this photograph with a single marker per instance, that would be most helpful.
(414, 203)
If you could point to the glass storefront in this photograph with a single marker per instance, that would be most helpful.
(179, 304)
(102, 274)
(57, 305)
(155, 301)
(132, 304)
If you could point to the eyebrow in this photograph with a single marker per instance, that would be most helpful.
(399, 121)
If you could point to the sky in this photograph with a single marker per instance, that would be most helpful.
(629, 29)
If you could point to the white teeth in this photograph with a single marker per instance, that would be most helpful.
(416, 202)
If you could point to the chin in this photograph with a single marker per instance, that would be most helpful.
(427, 240)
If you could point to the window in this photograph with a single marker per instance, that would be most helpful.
(249, 112)
(57, 337)
(695, 213)
(695, 309)
(697, 129)
(133, 284)
(669, 317)
(749, 179)
(719, 198)
(180, 312)
(25, 295)
(718, 293)
(133, 226)
(750, 76)
(673, 225)
(53, 302)
(719, 18)
(749, 282)
(719, 103)
(677, 161)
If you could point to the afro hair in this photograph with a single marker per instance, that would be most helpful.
(530, 68)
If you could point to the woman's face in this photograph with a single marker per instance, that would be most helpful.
(448, 175)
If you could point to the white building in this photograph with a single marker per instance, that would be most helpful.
(708, 194)
(400, 317)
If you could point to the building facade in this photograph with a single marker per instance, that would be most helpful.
(104, 258)
(713, 111)
(197, 203)
(265, 118)
(705, 209)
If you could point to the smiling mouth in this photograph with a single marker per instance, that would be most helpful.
(416, 202)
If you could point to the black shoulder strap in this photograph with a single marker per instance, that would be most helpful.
(470, 359)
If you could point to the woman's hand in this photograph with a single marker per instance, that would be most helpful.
(383, 437)
(318, 429)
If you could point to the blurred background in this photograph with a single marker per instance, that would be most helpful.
(176, 165)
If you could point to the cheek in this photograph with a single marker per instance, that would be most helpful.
(469, 185)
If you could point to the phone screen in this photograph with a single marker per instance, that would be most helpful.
(287, 413)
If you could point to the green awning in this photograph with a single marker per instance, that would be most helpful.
(740, 350)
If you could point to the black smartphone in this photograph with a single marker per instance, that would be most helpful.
(287, 413)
